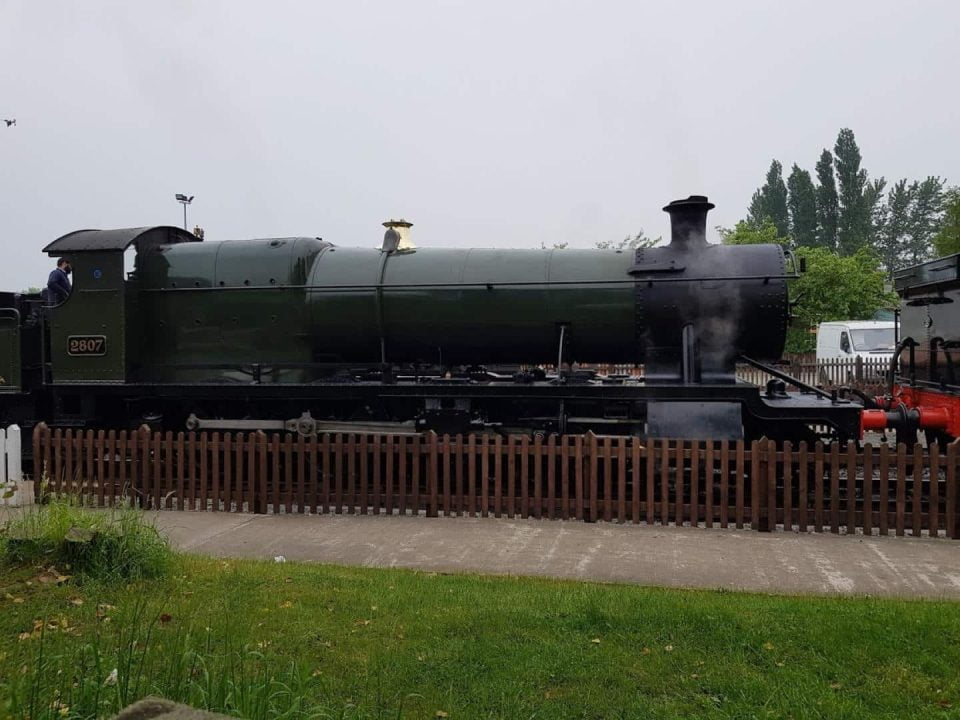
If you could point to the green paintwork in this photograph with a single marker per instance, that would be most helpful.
(471, 323)
(95, 307)
(298, 300)
(225, 303)
(10, 373)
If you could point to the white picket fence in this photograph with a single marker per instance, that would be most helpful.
(14, 490)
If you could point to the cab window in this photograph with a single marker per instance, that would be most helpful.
(845, 341)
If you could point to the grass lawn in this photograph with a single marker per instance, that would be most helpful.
(286, 640)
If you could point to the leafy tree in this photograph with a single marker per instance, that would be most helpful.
(640, 240)
(947, 241)
(770, 201)
(803, 207)
(827, 202)
(746, 233)
(854, 226)
(835, 288)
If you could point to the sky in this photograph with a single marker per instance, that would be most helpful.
(491, 123)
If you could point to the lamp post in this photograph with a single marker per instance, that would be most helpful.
(184, 200)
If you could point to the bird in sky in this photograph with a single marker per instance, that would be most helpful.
(10, 122)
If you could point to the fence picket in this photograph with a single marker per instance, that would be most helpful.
(901, 488)
(389, 467)
(884, 503)
(215, 474)
(741, 479)
(607, 452)
(851, 489)
(364, 474)
(788, 485)
(227, 472)
(835, 488)
(551, 477)
(953, 526)
(695, 483)
(664, 481)
(447, 500)
(867, 489)
(537, 477)
(350, 493)
(708, 482)
(803, 494)
(724, 484)
(415, 454)
(650, 481)
(917, 489)
(593, 476)
(181, 460)
(770, 522)
(934, 491)
(818, 468)
(524, 479)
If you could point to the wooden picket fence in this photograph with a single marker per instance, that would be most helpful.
(760, 485)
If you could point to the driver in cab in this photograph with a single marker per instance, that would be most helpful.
(58, 284)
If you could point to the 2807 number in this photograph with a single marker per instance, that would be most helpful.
(87, 345)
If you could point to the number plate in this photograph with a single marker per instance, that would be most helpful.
(87, 345)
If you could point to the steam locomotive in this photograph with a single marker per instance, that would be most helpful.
(300, 334)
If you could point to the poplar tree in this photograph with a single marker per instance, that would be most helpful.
(770, 201)
(803, 207)
(827, 203)
(854, 224)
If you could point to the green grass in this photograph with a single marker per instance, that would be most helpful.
(121, 544)
(265, 640)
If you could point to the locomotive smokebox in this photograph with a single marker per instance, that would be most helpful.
(688, 222)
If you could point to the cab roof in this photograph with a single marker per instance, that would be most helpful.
(118, 240)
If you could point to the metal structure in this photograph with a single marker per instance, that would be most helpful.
(184, 200)
(297, 333)
(924, 380)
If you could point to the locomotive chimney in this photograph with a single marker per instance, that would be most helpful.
(688, 221)
(397, 236)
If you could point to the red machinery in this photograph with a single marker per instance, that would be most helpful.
(925, 393)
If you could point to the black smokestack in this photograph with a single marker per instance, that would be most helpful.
(688, 221)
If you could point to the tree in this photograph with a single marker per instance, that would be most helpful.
(854, 225)
(640, 240)
(907, 223)
(746, 233)
(926, 215)
(770, 201)
(893, 225)
(803, 207)
(947, 241)
(835, 288)
(827, 203)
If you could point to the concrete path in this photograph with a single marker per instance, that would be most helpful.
(674, 557)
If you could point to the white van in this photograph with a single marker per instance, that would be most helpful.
(849, 339)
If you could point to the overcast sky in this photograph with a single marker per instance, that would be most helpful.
(484, 123)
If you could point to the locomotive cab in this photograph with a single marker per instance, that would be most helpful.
(90, 332)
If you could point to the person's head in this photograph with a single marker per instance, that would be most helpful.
(64, 264)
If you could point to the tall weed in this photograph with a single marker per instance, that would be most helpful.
(123, 545)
